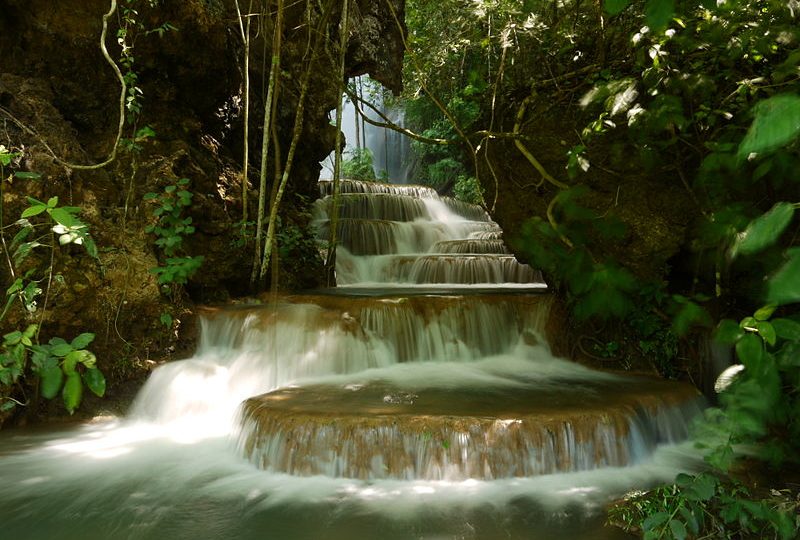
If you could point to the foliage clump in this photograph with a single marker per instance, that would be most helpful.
(26, 362)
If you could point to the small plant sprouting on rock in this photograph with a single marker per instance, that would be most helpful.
(170, 229)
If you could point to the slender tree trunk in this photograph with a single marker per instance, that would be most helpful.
(269, 109)
(330, 263)
(363, 124)
(245, 30)
(357, 122)
(311, 48)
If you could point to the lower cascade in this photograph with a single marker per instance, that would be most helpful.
(418, 399)
(437, 382)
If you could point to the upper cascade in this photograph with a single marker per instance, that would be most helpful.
(409, 236)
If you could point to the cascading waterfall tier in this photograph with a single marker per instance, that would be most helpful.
(428, 361)
(375, 430)
(405, 236)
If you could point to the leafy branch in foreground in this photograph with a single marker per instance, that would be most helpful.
(56, 366)
(703, 506)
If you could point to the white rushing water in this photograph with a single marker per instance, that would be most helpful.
(171, 469)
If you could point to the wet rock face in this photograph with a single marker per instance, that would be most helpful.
(54, 80)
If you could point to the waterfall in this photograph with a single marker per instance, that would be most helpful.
(391, 151)
(457, 386)
(419, 399)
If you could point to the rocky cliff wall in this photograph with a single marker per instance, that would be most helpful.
(60, 100)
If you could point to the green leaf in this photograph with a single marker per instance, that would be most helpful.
(35, 202)
(654, 520)
(27, 175)
(71, 360)
(73, 392)
(23, 234)
(82, 341)
(764, 313)
(787, 329)
(9, 301)
(7, 406)
(690, 520)
(689, 314)
(12, 338)
(705, 485)
(61, 349)
(51, 379)
(63, 217)
(763, 231)
(658, 13)
(33, 211)
(95, 381)
(52, 202)
(750, 351)
(16, 286)
(22, 252)
(613, 7)
(776, 124)
(767, 332)
(678, 529)
(91, 247)
(728, 332)
(784, 286)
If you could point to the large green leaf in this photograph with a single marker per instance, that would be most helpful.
(51, 379)
(63, 217)
(750, 351)
(62, 349)
(678, 529)
(776, 124)
(658, 13)
(95, 381)
(82, 341)
(34, 210)
(763, 231)
(787, 329)
(784, 286)
(73, 392)
(728, 332)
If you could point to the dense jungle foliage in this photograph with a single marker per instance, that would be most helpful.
(701, 95)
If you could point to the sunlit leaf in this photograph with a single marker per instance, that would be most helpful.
(73, 392)
(51, 379)
(784, 286)
(27, 175)
(766, 331)
(33, 211)
(63, 217)
(61, 349)
(776, 124)
(765, 312)
(763, 231)
(82, 341)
